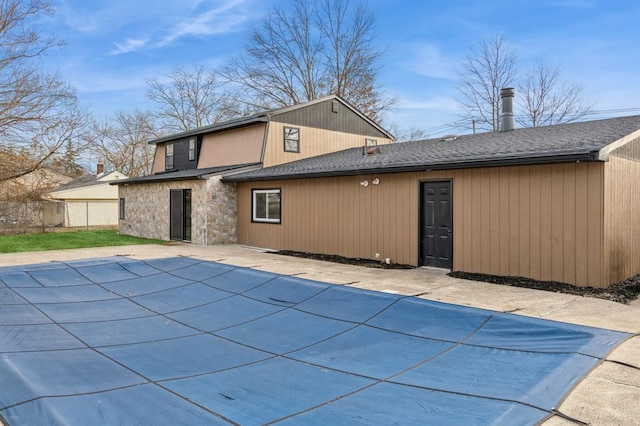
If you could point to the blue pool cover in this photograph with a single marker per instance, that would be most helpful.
(185, 341)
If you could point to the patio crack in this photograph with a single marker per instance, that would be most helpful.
(559, 308)
(614, 382)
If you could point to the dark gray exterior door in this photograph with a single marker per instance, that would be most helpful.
(436, 225)
(180, 215)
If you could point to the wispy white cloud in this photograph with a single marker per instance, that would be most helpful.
(129, 45)
(151, 23)
(220, 20)
(75, 18)
(427, 59)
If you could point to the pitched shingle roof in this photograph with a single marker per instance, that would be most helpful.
(536, 145)
(261, 117)
(85, 180)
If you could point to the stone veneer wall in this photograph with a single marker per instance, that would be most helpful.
(213, 210)
(222, 215)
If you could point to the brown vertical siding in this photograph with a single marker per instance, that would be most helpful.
(546, 236)
(569, 217)
(557, 226)
(237, 146)
(525, 215)
(595, 226)
(543, 222)
(313, 141)
(582, 222)
(535, 217)
(514, 225)
(622, 218)
(158, 159)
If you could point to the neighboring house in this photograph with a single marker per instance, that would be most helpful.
(89, 200)
(555, 203)
(184, 199)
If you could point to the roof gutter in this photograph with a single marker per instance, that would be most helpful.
(171, 177)
(162, 179)
(562, 158)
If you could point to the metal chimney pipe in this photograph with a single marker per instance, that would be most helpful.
(507, 122)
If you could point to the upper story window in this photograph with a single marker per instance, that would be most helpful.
(168, 157)
(291, 139)
(192, 149)
(370, 142)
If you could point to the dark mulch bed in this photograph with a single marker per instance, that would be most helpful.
(368, 263)
(622, 292)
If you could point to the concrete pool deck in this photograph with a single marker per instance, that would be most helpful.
(608, 395)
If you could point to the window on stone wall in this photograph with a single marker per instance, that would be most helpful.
(121, 208)
(266, 205)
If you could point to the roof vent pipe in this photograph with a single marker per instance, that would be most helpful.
(506, 119)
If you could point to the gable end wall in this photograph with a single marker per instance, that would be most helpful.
(313, 141)
(321, 116)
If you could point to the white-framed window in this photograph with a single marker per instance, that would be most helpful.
(265, 205)
(291, 139)
(168, 157)
(370, 142)
(192, 149)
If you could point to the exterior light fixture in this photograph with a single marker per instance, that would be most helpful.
(364, 183)
(376, 181)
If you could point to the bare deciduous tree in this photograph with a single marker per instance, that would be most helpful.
(122, 141)
(407, 135)
(24, 152)
(351, 57)
(544, 100)
(192, 98)
(309, 49)
(489, 67)
(37, 109)
(541, 97)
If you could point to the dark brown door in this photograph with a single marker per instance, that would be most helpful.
(436, 225)
(180, 214)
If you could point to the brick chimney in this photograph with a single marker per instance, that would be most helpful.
(100, 168)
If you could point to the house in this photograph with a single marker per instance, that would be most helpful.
(557, 203)
(89, 200)
(184, 198)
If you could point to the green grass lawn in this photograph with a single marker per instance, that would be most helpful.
(68, 240)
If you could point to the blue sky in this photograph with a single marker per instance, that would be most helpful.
(113, 46)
